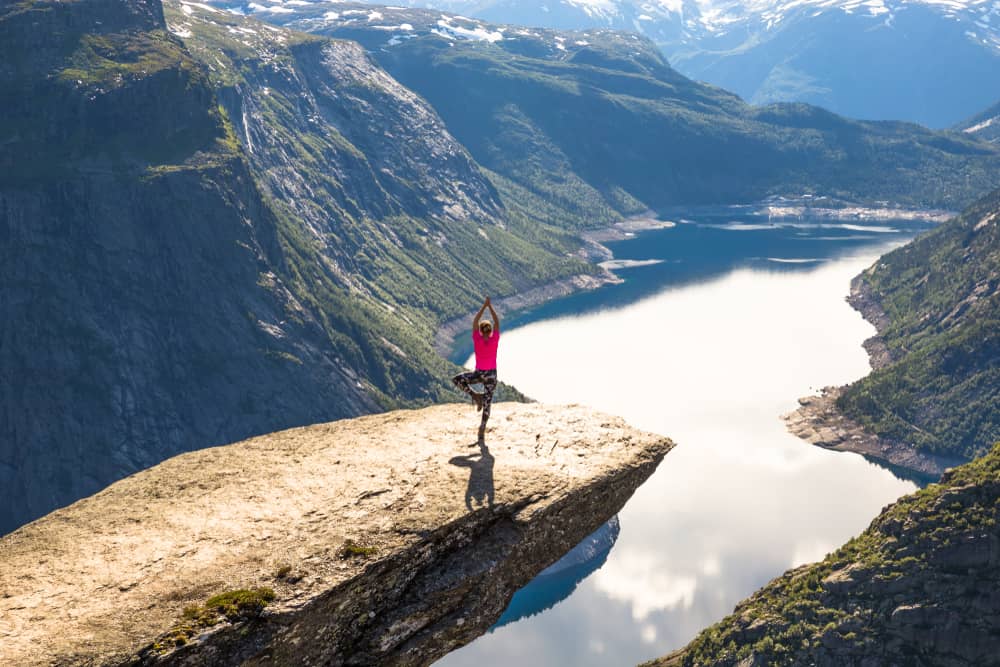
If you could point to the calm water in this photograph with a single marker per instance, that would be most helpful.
(709, 347)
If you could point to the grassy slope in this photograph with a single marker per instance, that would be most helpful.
(942, 297)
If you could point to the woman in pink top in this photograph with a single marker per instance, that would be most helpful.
(485, 338)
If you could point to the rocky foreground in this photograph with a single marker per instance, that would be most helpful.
(386, 539)
(919, 587)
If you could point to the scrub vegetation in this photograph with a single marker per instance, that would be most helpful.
(232, 607)
(941, 295)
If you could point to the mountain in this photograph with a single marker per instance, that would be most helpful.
(216, 227)
(217, 234)
(598, 120)
(938, 300)
(985, 125)
(918, 587)
(924, 61)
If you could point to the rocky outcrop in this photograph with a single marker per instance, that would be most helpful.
(386, 540)
(919, 587)
(820, 422)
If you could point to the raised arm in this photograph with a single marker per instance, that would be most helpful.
(493, 314)
(475, 320)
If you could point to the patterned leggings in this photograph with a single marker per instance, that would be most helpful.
(489, 382)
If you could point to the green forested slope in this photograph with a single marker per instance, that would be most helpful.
(941, 296)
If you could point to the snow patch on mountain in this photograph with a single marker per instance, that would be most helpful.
(478, 33)
(981, 126)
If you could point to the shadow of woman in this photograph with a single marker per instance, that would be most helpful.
(480, 476)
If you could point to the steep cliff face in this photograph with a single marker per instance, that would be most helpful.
(382, 540)
(142, 313)
(397, 207)
(917, 588)
(207, 238)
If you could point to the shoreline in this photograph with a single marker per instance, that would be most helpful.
(592, 250)
(819, 208)
(444, 336)
(820, 422)
(808, 419)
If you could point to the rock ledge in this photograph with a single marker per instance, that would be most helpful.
(456, 530)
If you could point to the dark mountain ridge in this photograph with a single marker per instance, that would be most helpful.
(135, 241)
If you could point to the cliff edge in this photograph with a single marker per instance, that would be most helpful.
(385, 539)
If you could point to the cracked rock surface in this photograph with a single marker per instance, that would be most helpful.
(454, 531)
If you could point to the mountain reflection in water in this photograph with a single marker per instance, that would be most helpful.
(558, 581)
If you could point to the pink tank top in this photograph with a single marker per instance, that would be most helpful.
(486, 350)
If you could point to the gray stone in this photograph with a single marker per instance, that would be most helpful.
(456, 529)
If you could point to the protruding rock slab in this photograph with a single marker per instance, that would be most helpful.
(99, 581)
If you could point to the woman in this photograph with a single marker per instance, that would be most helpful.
(485, 338)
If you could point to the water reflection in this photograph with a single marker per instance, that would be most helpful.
(558, 581)
(710, 356)
(696, 252)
